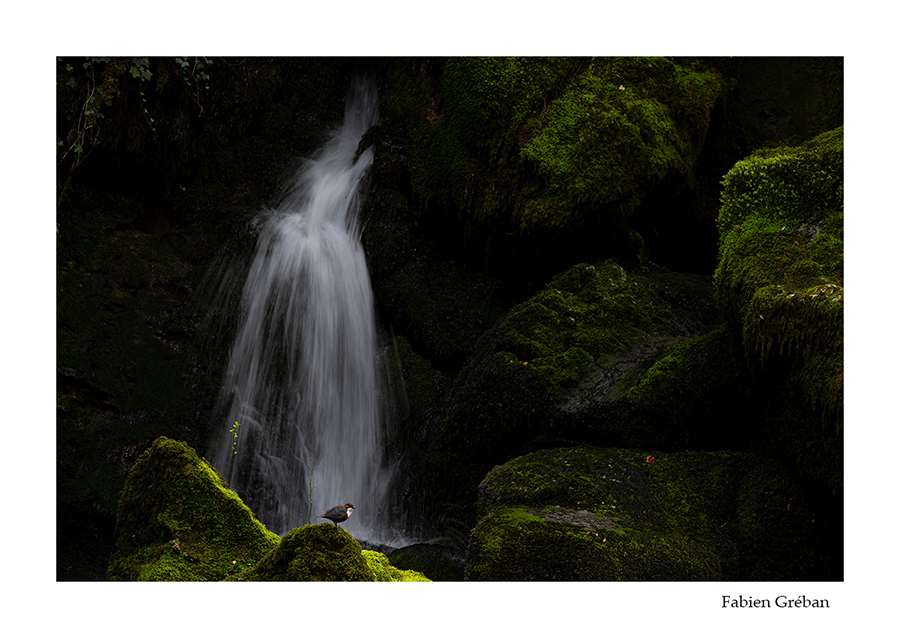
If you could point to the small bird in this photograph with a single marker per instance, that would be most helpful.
(338, 513)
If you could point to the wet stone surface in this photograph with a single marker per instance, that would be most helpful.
(567, 516)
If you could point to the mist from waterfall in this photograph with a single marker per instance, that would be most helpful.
(303, 376)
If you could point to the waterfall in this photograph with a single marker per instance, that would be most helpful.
(302, 378)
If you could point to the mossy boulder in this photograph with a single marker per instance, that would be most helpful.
(620, 129)
(540, 159)
(780, 285)
(544, 373)
(597, 132)
(177, 520)
(696, 395)
(385, 572)
(586, 513)
(323, 552)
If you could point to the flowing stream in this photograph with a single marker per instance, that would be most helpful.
(303, 376)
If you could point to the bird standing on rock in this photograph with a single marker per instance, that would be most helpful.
(338, 513)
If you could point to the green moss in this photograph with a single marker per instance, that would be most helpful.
(567, 368)
(697, 395)
(795, 188)
(544, 142)
(559, 350)
(622, 126)
(593, 311)
(780, 275)
(597, 542)
(323, 552)
(585, 513)
(177, 520)
(484, 102)
(481, 93)
(386, 573)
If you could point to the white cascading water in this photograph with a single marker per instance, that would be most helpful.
(302, 378)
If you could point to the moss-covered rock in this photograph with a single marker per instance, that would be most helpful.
(543, 158)
(544, 372)
(780, 285)
(587, 513)
(177, 520)
(483, 102)
(385, 572)
(547, 544)
(323, 552)
(597, 132)
(621, 127)
(696, 395)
